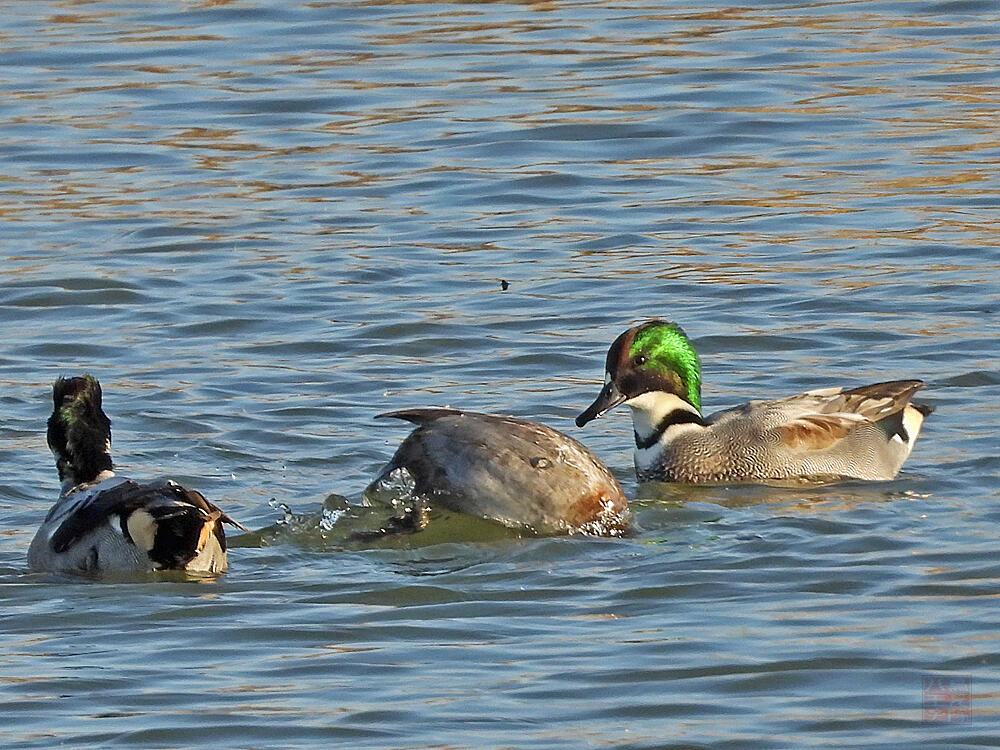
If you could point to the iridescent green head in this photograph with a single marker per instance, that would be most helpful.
(662, 351)
(654, 356)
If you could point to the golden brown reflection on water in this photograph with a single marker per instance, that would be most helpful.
(931, 134)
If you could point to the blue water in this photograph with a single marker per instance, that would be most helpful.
(262, 224)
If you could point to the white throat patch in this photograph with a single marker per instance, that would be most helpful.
(649, 409)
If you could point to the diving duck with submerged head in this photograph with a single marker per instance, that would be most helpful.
(519, 473)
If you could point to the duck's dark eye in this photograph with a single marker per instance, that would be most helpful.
(639, 359)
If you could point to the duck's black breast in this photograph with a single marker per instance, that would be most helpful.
(518, 472)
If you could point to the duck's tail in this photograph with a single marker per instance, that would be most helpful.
(79, 433)
(913, 417)
(176, 528)
(179, 529)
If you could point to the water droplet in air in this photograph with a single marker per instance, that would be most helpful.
(288, 515)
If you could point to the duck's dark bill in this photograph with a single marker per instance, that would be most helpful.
(607, 400)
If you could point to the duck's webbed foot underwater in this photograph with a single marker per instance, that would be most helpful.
(412, 519)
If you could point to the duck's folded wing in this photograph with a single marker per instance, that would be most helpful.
(819, 419)
(817, 431)
(118, 501)
(875, 401)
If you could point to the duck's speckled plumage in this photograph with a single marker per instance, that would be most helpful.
(517, 472)
(861, 433)
(810, 435)
(105, 523)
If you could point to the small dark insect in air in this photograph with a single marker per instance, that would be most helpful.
(504, 286)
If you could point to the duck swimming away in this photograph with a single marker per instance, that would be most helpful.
(821, 435)
(519, 473)
(106, 523)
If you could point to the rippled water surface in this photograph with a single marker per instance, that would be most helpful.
(261, 224)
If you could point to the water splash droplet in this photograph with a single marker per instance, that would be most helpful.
(329, 517)
(287, 511)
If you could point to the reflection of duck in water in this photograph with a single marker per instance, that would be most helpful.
(104, 523)
(519, 473)
(862, 433)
